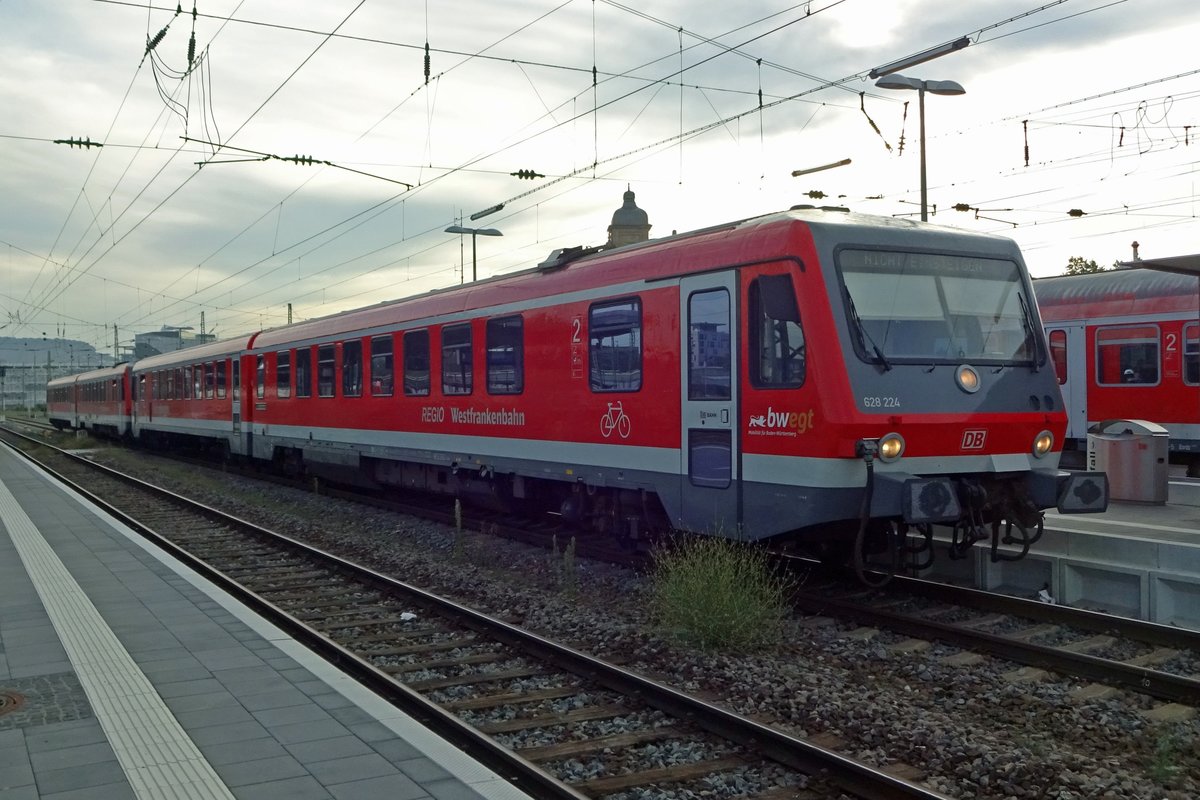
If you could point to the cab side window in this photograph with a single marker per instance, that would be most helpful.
(776, 340)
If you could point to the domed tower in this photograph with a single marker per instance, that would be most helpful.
(629, 224)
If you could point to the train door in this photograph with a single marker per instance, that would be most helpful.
(711, 486)
(1068, 353)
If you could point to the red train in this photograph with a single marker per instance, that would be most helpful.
(813, 375)
(1125, 344)
(98, 401)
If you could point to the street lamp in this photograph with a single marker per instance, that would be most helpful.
(895, 81)
(474, 232)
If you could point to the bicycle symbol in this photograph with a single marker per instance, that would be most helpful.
(615, 418)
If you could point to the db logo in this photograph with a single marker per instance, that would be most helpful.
(973, 440)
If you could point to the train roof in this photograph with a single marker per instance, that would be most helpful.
(197, 353)
(1114, 293)
(96, 374)
(774, 235)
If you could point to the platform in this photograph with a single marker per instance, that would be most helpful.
(124, 674)
(1139, 560)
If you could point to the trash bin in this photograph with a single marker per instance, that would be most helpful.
(1134, 454)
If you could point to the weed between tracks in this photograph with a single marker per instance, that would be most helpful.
(718, 594)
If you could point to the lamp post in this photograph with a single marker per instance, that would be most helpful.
(895, 81)
(474, 232)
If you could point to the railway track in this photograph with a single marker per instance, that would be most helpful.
(1107, 651)
(555, 721)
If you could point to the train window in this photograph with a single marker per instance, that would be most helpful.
(325, 370)
(456, 359)
(1191, 354)
(932, 308)
(615, 346)
(1127, 355)
(505, 355)
(709, 354)
(260, 376)
(1058, 354)
(382, 372)
(776, 340)
(416, 363)
(209, 380)
(222, 371)
(352, 369)
(710, 454)
(304, 372)
(193, 388)
(283, 374)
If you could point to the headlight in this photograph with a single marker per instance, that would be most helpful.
(1043, 443)
(967, 379)
(891, 447)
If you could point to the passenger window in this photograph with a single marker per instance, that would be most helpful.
(1058, 354)
(304, 372)
(381, 366)
(776, 340)
(325, 370)
(352, 369)
(505, 355)
(416, 363)
(260, 377)
(1191, 354)
(615, 346)
(209, 380)
(709, 343)
(456, 359)
(222, 367)
(198, 381)
(283, 374)
(1127, 355)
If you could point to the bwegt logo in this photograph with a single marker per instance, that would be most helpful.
(792, 421)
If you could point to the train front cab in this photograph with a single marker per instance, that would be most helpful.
(923, 398)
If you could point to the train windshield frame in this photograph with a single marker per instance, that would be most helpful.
(912, 307)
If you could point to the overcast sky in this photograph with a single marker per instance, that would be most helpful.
(1079, 104)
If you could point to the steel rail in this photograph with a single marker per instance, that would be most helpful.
(1146, 681)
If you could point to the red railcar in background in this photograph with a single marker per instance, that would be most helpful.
(1125, 344)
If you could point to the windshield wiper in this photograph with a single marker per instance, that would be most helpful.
(863, 332)
(1027, 324)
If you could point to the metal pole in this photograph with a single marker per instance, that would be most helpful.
(924, 187)
(474, 277)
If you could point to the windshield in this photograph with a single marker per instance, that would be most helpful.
(930, 308)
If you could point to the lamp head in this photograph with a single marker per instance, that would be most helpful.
(896, 81)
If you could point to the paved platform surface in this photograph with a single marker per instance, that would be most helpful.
(123, 674)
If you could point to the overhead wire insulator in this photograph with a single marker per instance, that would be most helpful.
(191, 49)
(1076, 212)
(816, 194)
(158, 37)
(427, 63)
(83, 144)
(961, 207)
(526, 174)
